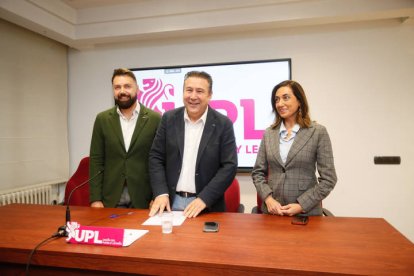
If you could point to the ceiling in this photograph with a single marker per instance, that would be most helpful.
(85, 24)
(85, 4)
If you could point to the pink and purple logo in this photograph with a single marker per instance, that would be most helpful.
(94, 235)
(161, 97)
(156, 95)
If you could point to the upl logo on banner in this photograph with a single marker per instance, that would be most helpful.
(162, 97)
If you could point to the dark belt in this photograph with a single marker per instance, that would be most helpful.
(185, 194)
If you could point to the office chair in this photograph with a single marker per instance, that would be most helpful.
(258, 208)
(80, 197)
(232, 198)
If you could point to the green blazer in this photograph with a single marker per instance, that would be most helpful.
(108, 153)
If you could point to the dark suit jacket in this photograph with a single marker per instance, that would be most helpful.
(216, 164)
(295, 181)
(108, 153)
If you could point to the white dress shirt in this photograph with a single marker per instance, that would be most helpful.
(286, 142)
(193, 133)
(128, 126)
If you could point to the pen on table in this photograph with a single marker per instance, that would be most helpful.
(118, 215)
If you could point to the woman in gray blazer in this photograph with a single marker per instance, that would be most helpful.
(290, 151)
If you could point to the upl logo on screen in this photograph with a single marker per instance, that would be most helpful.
(240, 91)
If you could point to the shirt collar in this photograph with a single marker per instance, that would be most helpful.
(202, 118)
(135, 113)
(295, 128)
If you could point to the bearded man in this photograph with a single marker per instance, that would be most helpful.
(121, 140)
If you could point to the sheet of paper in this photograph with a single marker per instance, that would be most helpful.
(178, 219)
(131, 235)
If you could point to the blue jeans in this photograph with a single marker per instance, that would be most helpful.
(180, 202)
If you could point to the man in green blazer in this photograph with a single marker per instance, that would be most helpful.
(121, 140)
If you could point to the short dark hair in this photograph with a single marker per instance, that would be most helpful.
(302, 116)
(123, 72)
(202, 75)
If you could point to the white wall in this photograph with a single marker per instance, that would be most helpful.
(359, 82)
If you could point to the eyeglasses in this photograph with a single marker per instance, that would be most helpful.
(285, 98)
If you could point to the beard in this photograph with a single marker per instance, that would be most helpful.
(126, 104)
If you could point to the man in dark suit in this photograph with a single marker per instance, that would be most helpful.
(121, 140)
(193, 159)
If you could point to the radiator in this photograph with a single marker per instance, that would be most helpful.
(47, 194)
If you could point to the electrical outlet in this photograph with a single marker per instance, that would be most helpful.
(387, 160)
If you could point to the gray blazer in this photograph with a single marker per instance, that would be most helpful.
(216, 163)
(295, 181)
